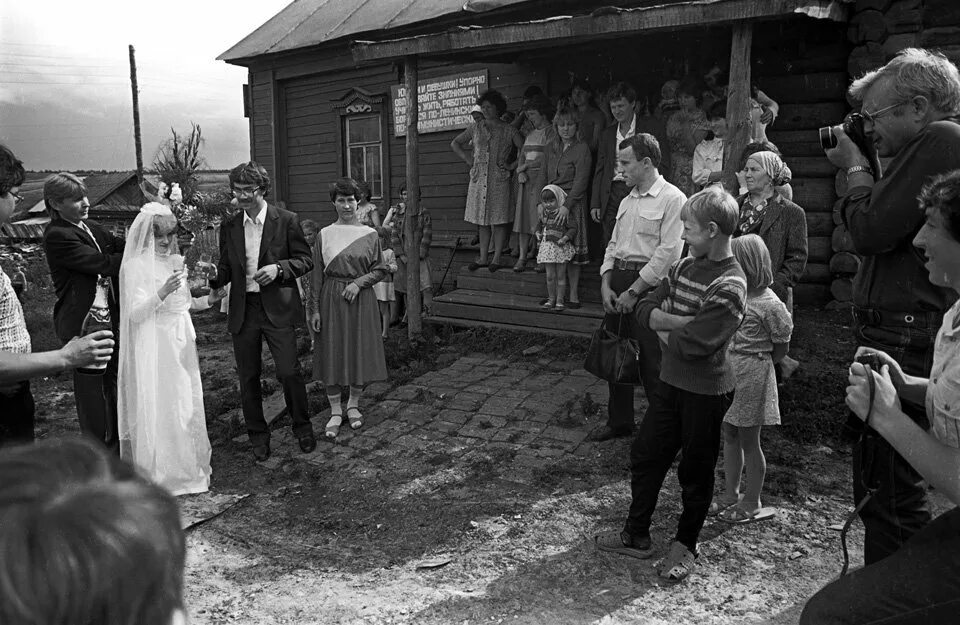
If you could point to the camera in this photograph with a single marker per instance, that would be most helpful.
(853, 127)
(872, 360)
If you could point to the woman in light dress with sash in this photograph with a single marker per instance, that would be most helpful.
(343, 309)
(162, 424)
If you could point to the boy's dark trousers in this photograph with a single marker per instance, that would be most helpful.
(620, 416)
(676, 420)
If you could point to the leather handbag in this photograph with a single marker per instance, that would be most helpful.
(612, 357)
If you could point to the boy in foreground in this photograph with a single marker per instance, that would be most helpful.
(696, 310)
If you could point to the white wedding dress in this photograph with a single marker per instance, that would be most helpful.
(162, 424)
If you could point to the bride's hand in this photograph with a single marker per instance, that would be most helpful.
(172, 284)
(216, 295)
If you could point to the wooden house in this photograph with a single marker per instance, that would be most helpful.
(325, 99)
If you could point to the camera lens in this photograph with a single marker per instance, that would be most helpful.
(828, 140)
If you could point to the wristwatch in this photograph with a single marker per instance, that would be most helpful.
(632, 292)
(859, 168)
(279, 272)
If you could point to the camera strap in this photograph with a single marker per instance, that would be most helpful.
(866, 468)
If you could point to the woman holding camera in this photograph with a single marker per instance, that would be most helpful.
(920, 582)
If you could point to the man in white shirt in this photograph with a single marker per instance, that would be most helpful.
(644, 243)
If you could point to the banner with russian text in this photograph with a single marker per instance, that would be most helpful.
(443, 103)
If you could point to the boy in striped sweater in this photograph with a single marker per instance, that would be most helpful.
(696, 310)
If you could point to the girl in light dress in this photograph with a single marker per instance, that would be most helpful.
(760, 342)
(386, 297)
(162, 424)
(556, 244)
(367, 212)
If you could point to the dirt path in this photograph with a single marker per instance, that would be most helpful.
(472, 496)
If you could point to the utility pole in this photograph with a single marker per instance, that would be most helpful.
(136, 116)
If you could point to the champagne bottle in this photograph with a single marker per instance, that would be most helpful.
(98, 318)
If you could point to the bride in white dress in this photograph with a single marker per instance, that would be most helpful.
(162, 424)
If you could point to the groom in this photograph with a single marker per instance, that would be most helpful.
(262, 253)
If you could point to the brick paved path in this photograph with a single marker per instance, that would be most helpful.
(533, 411)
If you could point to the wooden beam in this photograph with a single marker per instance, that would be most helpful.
(411, 235)
(613, 23)
(738, 102)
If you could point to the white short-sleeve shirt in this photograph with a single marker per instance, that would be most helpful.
(943, 391)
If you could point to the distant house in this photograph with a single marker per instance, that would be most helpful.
(115, 199)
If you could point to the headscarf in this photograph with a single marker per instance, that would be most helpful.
(773, 166)
(558, 193)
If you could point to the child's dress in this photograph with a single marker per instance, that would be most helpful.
(549, 232)
(384, 289)
(766, 322)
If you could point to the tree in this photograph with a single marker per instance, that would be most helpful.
(178, 159)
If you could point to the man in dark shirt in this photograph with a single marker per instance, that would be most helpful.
(910, 107)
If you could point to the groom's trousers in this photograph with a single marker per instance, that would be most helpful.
(247, 349)
(96, 398)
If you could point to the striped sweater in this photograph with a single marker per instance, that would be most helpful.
(715, 294)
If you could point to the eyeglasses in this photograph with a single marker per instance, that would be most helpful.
(241, 191)
(874, 116)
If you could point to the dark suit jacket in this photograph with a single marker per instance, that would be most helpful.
(75, 262)
(783, 228)
(283, 243)
(606, 165)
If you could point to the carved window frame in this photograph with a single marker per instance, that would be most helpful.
(358, 101)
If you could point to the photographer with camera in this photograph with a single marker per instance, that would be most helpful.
(920, 583)
(908, 114)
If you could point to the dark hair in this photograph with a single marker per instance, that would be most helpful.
(495, 98)
(532, 91)
(717, 110)
(756, 146)
(251, 173)
(542, 105)
(11, 170)
(85, 539)
(943, 193)
(403, 187)
(644, 145)
(60, 187)
(364, 189)
(345, 187)
(692, 86)
(621, 90)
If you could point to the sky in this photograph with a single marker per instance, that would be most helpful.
(65, 96)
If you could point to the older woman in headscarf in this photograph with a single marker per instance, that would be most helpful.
(780, 223)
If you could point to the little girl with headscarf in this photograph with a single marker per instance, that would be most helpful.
(556, 243)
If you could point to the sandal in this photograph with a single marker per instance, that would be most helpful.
(476, 265)
(678, 564)
(333, 425)
(559, 307)
(718, 505)
(356, 422)
(547, 305)
(738, 516)
(520, 266)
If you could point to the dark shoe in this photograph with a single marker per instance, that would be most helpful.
(476, 265)
(624, 544)
(494, 267)
(607, 433)
(307, 443)
(573, 305)
(261, 452)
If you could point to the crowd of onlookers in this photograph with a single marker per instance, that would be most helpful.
(696, 279)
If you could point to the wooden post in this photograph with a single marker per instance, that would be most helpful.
(738, 102)
(411, 235)
(136, 116)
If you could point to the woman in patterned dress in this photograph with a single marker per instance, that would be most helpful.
(491, 167)
(532, 175)
(686, 128)
(343, 308)
(570, 166)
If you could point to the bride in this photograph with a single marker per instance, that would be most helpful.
(160, 400)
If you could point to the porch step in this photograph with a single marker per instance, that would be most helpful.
(473, 307)
(527, 282)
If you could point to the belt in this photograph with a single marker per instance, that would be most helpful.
(628, 265)
(880, 318)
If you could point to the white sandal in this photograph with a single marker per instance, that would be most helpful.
(356, 422)
(333, 425)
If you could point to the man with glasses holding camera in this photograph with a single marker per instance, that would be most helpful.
(262, 253)
(908, 115)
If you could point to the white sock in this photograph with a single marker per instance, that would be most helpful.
(335, 408)
(354, 401)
